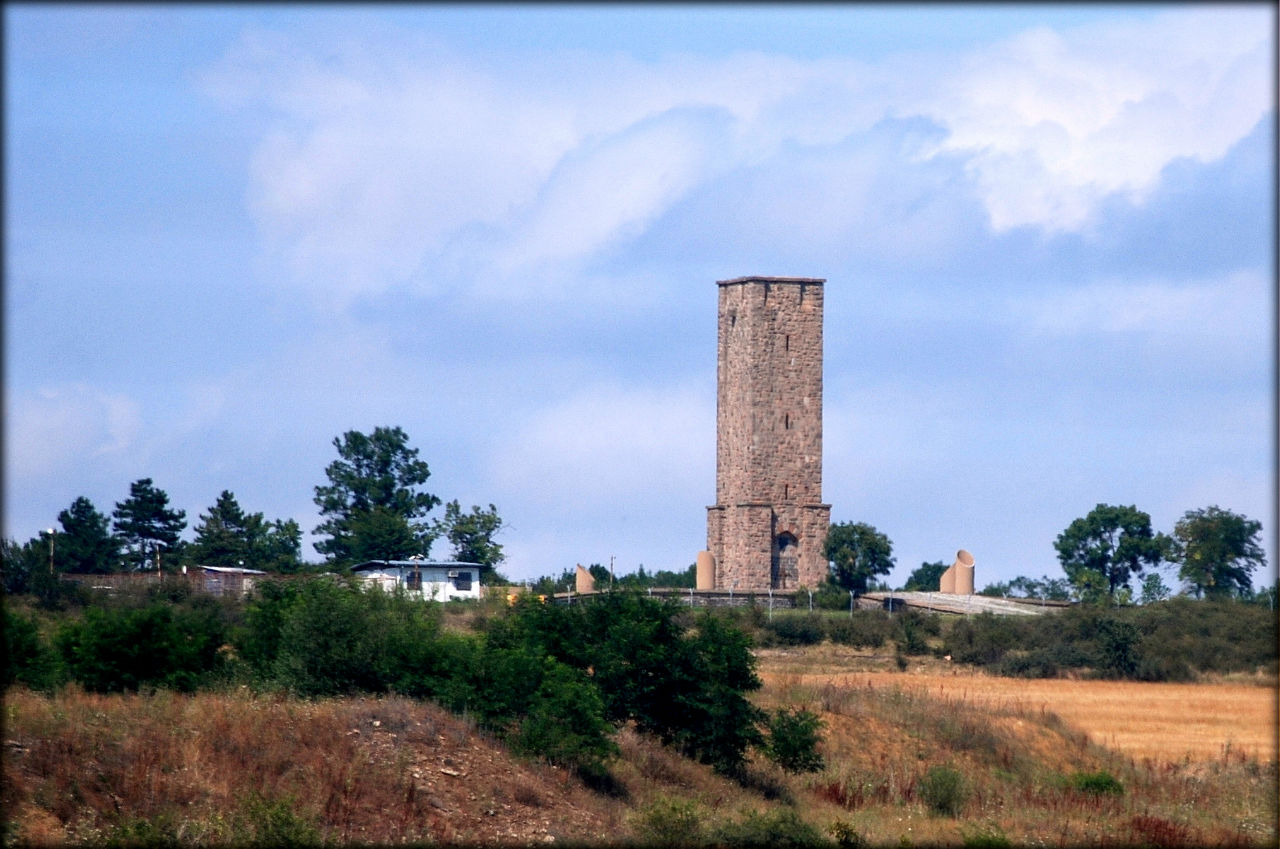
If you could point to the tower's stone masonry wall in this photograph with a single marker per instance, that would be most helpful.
(768, 524)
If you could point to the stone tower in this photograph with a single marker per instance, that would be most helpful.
(768, 524)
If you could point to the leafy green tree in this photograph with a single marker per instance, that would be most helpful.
(20, 563)
(85, 544)
(927, 578)
(144, 522)
(719, 722)
(1022, 587)
(1153, 589)
(1267, 595)
(374, 507)
(471, 535)
(227, 536)
(1112, 543)
(857, 553)
(280, 549)
(1217, 551)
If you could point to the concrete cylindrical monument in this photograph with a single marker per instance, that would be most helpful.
(963, 573)
(706, 571)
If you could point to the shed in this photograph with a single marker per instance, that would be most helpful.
(224, 580)
(440, 581)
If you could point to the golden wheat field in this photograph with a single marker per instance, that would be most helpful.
(1157, 721)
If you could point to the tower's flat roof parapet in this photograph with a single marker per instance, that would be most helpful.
(794, 280)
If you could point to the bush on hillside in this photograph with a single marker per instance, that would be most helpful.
(793, 739)
(781, 827)
(864, 629)
(794, 630)
(564, 722)
(159, 645)
(943, 790)
(28, 659)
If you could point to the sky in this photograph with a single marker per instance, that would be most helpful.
(234, 233)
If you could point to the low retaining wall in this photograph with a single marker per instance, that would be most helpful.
(708, 598)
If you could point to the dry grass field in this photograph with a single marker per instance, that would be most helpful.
(1157, 721)
(1193, 764)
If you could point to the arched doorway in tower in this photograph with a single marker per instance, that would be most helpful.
(784, 572)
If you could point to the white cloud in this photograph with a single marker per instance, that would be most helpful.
(381, 170)
(408, 165)
(608, 191)
(1051, 123)
(51, 430)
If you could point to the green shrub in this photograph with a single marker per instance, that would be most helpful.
(327, 645)
(272, 822)
(793, 738)
(1101, 783)
(28, 659)
(780, 827)
(864, 629)
(984, 837)
(1038, 663)
(678, 675)
(139, 832)
(565, 724)
(943, 790)
(829, 596)
(1117, 648)
(845, 835)
(794, 630)
(159, 645)
(668, 822)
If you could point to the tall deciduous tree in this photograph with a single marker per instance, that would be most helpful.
(374, 505)
(1217, 552)
(144, 522)
(926, 578)
(472, 534)
(857, 553)
(1107, 548)
(85, 544)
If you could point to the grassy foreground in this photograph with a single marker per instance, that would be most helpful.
(903, 767)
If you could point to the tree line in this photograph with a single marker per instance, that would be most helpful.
(1214, 552)
(373, 507)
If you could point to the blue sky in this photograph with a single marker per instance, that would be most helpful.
(235, 232)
